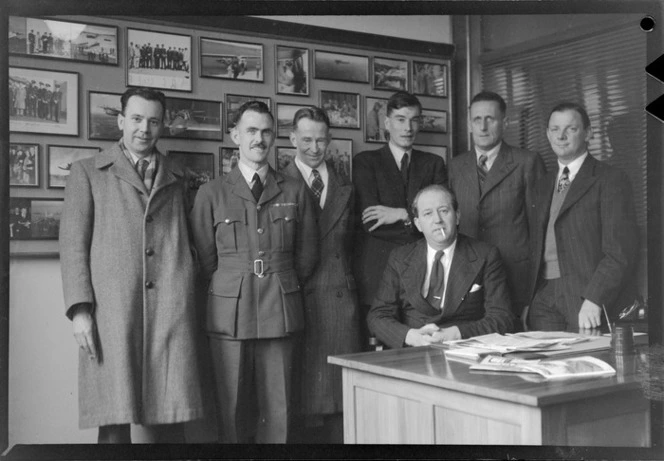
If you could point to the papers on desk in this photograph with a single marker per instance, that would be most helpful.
(575, 367)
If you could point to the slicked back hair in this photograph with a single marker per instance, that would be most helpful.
(578, 108)
(148, 94)
(402, 99)
(434, 187)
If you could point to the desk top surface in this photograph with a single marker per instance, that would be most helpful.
(428, 365)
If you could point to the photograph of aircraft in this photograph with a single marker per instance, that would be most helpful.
(231, 60)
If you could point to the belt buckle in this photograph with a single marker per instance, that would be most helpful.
(258, 268)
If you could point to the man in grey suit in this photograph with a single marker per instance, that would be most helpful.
(331, 315)
(494, 183)
(585, 238)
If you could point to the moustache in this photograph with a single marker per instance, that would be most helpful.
(260, 144)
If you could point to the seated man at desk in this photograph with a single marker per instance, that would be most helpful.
(444, 287)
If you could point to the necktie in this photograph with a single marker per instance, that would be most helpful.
(437, 281)
(141, 168)
(564, 182)
(482, 170)
(317, 185)
(404, 168)
(257, 188)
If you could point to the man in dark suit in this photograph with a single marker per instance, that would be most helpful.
(444, 287)
(256, 237)
(585, 237)
(495, 183)
(386, 181)
(332, 315)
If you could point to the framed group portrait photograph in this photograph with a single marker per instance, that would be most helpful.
(430, 79)
(60, 160)
(34, 218)
(103, 110)
(43, 101)
(342, 67)
(389, 74)
(434, 121)
(283, 156)
(231, 60)
(158, 60)
(374, 122)
(228, 159)
(292, 70)
(285, 114)
(235, 101)
(63, 40)
(193, 119)
(343, 109)
(340, 153)
(24, 164)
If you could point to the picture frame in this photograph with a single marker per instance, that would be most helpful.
(341, 67)
(233, 103)
(198, 166)
(166, 67)
(343, 109)
(24, 164)
(441, 151)
(59, 160)
(434, 121)
(231, 60)
(291, 70)
(285, 114)
(389, 74)
(63, 40)
(228, 159)
(193, 119)
(55, 113)
(430, 79)
(34, 218)
(283, 156)
(374, 119)
(103, 110)
(340, 153)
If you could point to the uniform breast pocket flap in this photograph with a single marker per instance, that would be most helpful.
(230, 216)
(282, 211)
(229, 224)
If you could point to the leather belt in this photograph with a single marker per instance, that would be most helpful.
(258, 267)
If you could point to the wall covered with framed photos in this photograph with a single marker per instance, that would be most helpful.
(67, 74)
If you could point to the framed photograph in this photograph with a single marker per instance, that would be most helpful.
(231, 60)
(34, 219)
(343, 109)
(390, 74)
(103, 110)
(343, 67)
(292, 70)
(340, 153)
(158, 60)
(233, 103)
(441, 151)
(434, 121)
(24, 166)
(228, 158)
(430, 79)
(199, 167)
(193, 119)
(43, 101)
(374, 123)
(64, 40)
(285, 114)
(283, 156)
(60, 159)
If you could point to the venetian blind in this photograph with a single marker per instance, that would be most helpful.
(604, 71)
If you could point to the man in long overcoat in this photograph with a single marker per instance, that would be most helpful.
(128, 275)
(332, 315)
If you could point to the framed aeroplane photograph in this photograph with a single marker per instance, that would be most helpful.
(343, 67)
(34, 218)
(235, 101)
(389, 74)
(24, 164)
(292, 70)
(103, 110)
(430, 79)
(63, 40)
(285, 114)
(198, 166)
(55, 111)
(434, 121)
(193, 119)
(283, 156)
(158, 60)
(59, 160)
(343, 109)
(231, 60)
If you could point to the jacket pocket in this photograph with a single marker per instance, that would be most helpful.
(229, 224)
(222, 304)
(291, 296)
(284, 224)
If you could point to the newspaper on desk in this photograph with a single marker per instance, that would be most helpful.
(575, 367)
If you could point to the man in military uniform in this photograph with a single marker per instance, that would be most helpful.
(56, 97)
(256, 237)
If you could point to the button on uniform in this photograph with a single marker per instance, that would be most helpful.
(260, 230)
(261, 253)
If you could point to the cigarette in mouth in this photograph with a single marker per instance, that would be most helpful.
(442, 231)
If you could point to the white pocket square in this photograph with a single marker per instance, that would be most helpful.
(475, 288)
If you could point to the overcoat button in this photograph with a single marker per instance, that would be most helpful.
(149, 284)
(149, 252)
(258, 207)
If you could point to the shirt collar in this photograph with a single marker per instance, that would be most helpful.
(490, 156)
(449, 251)
(248, 172)
(133, 158)
(306, 169)
(574, 166)
(397, 153)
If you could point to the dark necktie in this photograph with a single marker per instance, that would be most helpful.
(437, 281)
(257, 188)
(317, 185)
(404, 168)
(482, 170)
(564, 182)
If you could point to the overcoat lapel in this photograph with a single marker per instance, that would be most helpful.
(501, 168)
(338, 195)
(413, 279)
(168, 172)
(463, 271)
(584, 179)
(118, 165)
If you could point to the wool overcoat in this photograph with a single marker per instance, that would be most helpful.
(128, 253)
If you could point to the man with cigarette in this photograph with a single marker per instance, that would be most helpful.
(444, 287)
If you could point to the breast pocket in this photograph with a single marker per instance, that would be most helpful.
(230, 225)
(284, 224)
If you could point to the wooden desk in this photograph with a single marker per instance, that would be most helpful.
(416, 395)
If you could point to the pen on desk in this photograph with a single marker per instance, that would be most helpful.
(608, 322)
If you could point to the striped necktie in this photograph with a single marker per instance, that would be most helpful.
(482, 169)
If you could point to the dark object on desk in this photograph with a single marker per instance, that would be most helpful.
(622, 340)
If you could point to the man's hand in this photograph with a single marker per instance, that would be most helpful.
(383, 215)
(590, 315)
(446, 334)
(421, 336)
(84, 332)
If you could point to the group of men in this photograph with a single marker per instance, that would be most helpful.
(158, 57)
(34, 99)
(22, 165)
(296, 264)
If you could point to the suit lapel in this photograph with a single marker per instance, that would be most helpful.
(120, 166)
(336, 202)
(470, 183)
(413, 279)
(501, 168)
(582, 182)
(463, 271)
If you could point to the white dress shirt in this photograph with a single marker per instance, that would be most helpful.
(308, 176)
(248, 173)
(398, 153)
(490, 155)
(446, 260)
(574, 166)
